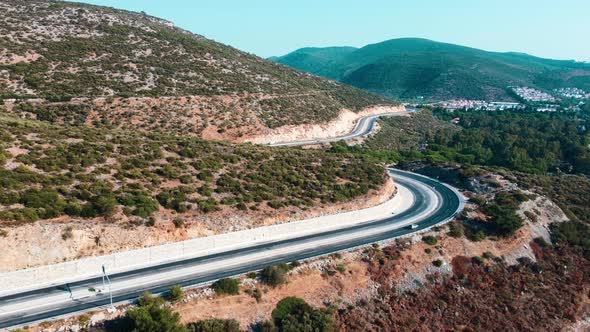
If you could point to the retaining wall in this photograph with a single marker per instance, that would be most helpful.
(88, 267)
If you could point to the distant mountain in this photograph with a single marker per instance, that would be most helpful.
(315, 60)
(62, 50)
(411, 67)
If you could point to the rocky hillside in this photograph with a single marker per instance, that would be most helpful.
(92, 59)
(410, 67)
(48, 171)
(64, 188)
(482, 295)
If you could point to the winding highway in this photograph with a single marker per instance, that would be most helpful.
(432, 203)
(363, 127)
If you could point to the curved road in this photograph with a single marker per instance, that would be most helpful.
(363, 127)
(433, 203)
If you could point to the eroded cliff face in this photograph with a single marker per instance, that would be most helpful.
(343, 124)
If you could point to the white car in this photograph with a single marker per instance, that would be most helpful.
(414, 226)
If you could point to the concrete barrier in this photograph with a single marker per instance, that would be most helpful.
(60, 273)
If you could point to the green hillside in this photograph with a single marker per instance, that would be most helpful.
(409, 67)
(49, 171)
(316, 60)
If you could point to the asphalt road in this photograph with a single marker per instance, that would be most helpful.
(433, 203)
(363, 127)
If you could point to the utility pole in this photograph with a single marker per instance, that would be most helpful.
(103, 284)
(105, 275)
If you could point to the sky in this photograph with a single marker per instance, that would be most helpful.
(546, 28)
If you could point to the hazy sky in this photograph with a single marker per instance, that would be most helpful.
(548, 28)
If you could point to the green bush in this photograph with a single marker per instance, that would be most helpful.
(488, 255)
(437, 263)
(73, 209)
(575, 234)
(504, 220)
(26, 214)
(214, 325)
(477, 236)
(456, 230)
(174, 198)
(150, 222)
(141, 203)
(257, 294)
(101, 201)
(178, 223)
(83, 320)
(9, 198)
(205, 190)
(265, 326)
(274, 275)
(208, 205)
(226, 286)
(287, 306)
(429, 239)
(46, 202)
(478, 260)
(152, 316)
(67, 233)
(294, 314)
(479, 200)
(175, 293)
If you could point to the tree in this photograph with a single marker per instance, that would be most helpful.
(214, 325)
(265, 326)
(456, 229)
(504, 221)
(574, 233)
(294, 314)
(273, 275)
(175, 293)
(152, 316)
(429, 239)
(226, 286)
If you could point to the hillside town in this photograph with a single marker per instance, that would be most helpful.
(477, 105)
(572, 93)
(532, 95)
(531, 99)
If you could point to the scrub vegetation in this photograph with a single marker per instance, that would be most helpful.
(521, 141)
(88, 173)
(74, 50)
(291, 314)
(544, 153)
(545, 294)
